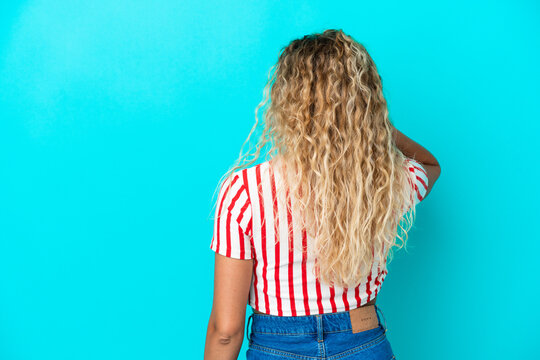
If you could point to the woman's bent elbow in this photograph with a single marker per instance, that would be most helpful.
(227, 334)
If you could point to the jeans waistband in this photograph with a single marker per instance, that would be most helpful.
(338, 321)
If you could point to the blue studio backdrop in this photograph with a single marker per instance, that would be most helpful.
(117, 119)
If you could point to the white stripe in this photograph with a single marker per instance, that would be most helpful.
(256, 230)
(297, 267)
(283, 246)
(311, 284)
(270, 237)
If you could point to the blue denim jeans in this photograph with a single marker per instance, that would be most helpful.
(321, 336)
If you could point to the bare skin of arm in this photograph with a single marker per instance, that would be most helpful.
(225, 333)
(413, 150)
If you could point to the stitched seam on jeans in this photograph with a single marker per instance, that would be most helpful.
(276, 333)
(337, 331)
(283, 353)
(348, 330)
(305, 333)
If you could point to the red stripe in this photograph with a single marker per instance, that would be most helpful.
(414, 163)
(420, 197)
(384, 273)
(319, 293)
(357, 295)
(291, 256)
(416, 186)
(332, 301)
(368, 291)
(235, 198)
(277, 243)
(242, 211)
(219, 211)
(304, 272)
(253, 250)
(421, 169)
(422, 181)
(228, 226)
(377, 280)
(263, 238)
(345, 301)
(246, 184)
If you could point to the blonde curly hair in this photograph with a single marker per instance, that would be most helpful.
(326, 119)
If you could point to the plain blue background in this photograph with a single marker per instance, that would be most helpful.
(117, 119)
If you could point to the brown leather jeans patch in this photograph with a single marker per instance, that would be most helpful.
(363, 318)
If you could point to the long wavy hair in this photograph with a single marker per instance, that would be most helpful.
(326, 119)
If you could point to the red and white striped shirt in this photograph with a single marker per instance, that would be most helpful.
(284, 282)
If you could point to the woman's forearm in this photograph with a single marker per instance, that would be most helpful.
(412, 149)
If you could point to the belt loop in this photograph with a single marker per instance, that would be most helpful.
(247, 328)
(378, 309)
(320, 329)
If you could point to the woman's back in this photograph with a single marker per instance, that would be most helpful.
(254, 222)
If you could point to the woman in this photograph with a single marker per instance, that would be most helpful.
(304, 236)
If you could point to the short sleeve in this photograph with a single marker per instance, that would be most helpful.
(420, 180)
(232, 222)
